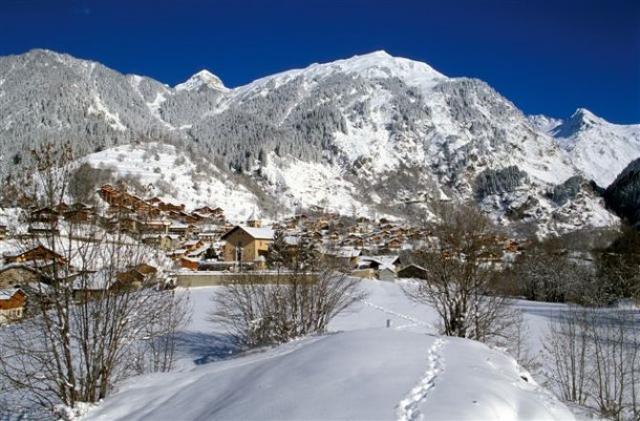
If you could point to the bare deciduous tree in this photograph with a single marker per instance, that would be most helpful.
(460, 274)
(596, 360)
(95, 318)
(293, 303)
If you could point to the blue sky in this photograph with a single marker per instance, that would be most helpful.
(547, 56)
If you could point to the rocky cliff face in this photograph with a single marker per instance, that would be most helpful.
(623, 195)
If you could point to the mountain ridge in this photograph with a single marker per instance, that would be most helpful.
(373, 132)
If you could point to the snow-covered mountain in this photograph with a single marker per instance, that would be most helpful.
(599, 149)
(374, 134)
(203, 78)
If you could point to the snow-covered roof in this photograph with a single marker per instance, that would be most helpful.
(385, 262)
(6, 294)
(344, 252)
(256, 233)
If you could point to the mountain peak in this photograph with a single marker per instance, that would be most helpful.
(379, 65)
(377, 53)
(202, 78)
(581, 120)
(585, 116)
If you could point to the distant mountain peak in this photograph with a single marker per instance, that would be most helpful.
(582, 119)
(585, 116)
(202, 78)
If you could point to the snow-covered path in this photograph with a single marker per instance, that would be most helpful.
(362, 371)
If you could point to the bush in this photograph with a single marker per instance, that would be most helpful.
(294, 305)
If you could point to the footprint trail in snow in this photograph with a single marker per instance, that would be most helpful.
(408, 408)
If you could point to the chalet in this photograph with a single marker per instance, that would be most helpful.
(46, 215)
(135, 277)
(130, 279)
(120, 210)
(39, 254)
(79, 213)
(147, 270)
(344, 256)
(384, 267)
(12, 304)
(204, 211)
(208, 233)
(188, 263)
(247, 244)
(90, 285)
(171, 207)
(17, 275)
(192, 245)
(121, 199)
(412, 271)
(184, 230)
(394, 244)
(156, 226)
(43, 228)
(161, 241)
(387, 274)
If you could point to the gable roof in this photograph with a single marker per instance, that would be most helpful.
(7, 294)
(255, 233)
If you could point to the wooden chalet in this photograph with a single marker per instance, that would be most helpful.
(45, 215)
(12, 304)
(36, 254)
(247, 244)
(412, 271)
(18, 275)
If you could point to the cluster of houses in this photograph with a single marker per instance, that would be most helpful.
(203, 241)
(33, 273)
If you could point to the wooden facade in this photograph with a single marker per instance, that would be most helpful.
(12, 303)
(244, 245)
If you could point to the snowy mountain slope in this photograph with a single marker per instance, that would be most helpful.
(360, 371)
(373, 133)
(394, 128)
(599, 149)
(174, 177)
(203, 78)
(45, 95)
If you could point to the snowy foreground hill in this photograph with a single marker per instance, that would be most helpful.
(374, 133)
(360, 370)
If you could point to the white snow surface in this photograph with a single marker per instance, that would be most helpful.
(601, 150)
(360, 370)
(202, 78)
(155, 164)
(598, 148)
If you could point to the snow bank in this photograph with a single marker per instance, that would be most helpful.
(365, 371)
(361, 374)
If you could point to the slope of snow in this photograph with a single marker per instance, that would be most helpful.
(543, 123)
(378, 64)
(599, 149)
(100, 109)
(360, 371)
(155, 164)
(310, 183)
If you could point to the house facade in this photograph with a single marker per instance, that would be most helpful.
(12, 303)
(247, 244)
